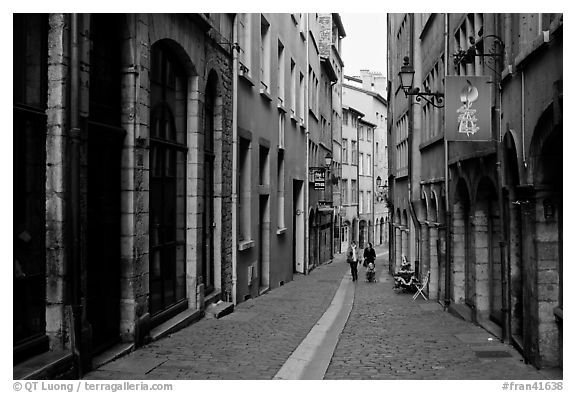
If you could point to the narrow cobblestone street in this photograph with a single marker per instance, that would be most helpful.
(387, 336)
(251, 343)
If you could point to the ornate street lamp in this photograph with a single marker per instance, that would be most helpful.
(381, 189)
(328, 160)
(406, 75)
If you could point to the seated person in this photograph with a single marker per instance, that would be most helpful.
(370, 272)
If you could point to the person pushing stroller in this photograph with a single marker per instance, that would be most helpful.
(369, 263)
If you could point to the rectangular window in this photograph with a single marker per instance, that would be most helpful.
(281, 129)
(244, 23)
(244, 191)
(361, 164)
(370, 134)
(369, 201)
(264, 53)
(345, 117)
(301, 99)
(361, 203)
(281, 223)
(402, 145)
(294, 87)
(344, 151)
(345, 191)
(264, 168)
(281, 73)
(354, 184)
(369, 165)
(354, 150)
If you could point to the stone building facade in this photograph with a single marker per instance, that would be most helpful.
(367, 93)
(490, 236)
(136, 163)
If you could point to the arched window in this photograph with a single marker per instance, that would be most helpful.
(29, 133)
(167, 184)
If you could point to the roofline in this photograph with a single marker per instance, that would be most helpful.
(325, 62)
(371, 93)
(369, 123)
(351, 109)
(353, 78)
(339, 24)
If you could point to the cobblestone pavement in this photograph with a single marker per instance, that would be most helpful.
(251, 343)
(389, 336)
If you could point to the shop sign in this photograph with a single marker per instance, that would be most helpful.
(468, 114)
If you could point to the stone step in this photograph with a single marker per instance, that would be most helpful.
(219, 309)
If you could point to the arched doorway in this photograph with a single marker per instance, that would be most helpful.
(30, 173)
(346, 235)
(513, 229)
(463, 268)
(434, 246)
(105, 143)
(397, 240)
(313, 240)
(208, 224)
(168, 151)
(486, 247)
(362, 234)
(405, 237)
(543, 249)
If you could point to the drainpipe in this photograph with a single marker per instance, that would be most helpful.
(447, 212)
(523, 121)
(306, 184)
(234, 161)
(504, 261)
(410, 166)
(74, 195)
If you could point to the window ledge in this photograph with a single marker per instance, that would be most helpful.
(311, 111)
(281, 231)
(264, 93)
(281, 107)
(245, 75)
(245, 244)
(294, 19)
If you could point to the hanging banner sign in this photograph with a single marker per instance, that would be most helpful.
(319, 179)
(467, 111)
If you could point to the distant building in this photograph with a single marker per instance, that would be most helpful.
(363, 94)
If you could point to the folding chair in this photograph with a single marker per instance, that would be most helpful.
(420, 287)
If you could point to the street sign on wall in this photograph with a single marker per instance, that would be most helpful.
(467, 110)
(319, 179)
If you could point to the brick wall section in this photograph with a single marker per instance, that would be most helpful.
(220, 61)
(325, 41)
(547, 285)
(56, 140)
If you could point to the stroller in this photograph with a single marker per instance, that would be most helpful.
(371, 272)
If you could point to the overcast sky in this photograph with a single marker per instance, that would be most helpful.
(364, 46)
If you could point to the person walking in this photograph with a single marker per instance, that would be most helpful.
(352, 259)
(369, 255)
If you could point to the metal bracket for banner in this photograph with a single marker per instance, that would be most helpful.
(476, 49)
